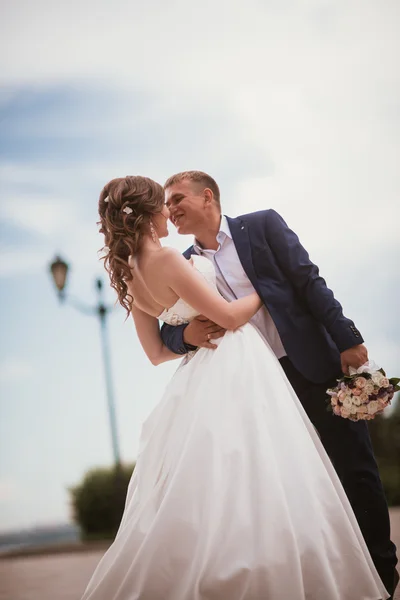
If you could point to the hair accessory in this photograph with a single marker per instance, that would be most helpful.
(127, 210)
(107, 199)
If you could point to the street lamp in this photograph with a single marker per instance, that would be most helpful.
(59, 271)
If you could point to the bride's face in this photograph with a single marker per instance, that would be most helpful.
(160, 222)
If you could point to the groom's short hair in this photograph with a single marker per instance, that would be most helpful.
(197, 177)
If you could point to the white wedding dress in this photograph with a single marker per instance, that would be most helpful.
(233, 496)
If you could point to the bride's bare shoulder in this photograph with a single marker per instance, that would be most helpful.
(171, 256)
(169, 251)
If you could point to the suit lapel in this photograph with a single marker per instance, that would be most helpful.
(188, 253)
(241, 238)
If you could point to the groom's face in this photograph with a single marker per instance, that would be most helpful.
(186, 204)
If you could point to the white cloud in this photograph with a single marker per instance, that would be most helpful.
(8, 490)
(17, 262)
(56, 226)
(45, 217)
(335, 223)
(15, 369)
(214, 45)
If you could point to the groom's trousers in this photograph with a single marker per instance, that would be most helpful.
(349, 447)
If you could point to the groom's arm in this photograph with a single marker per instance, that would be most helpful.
(310, 286)
(172, 336)
(199, 333)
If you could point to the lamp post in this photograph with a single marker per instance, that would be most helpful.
(59, 271)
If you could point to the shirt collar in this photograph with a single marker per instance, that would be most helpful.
(224, 232)
(225, 227)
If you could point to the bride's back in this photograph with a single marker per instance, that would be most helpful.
(148, 287)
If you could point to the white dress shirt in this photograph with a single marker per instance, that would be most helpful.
(233, 283)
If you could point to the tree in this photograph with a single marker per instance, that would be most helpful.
(99, 501)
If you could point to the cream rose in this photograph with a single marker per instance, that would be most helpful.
(369, 388)
(377, 378)
(373, 407)
(361, 382)
(364, 397)
(385, 382)
(347, 403)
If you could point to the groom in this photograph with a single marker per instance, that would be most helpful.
(302, 322)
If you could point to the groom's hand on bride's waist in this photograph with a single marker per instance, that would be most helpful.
(201, 331)
(353, 357)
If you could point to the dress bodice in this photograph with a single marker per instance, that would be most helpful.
(181, 312)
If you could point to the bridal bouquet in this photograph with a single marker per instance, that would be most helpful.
(363, 394)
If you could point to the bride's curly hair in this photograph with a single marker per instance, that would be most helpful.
(126, 206)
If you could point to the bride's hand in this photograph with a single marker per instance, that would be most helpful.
(200, 331)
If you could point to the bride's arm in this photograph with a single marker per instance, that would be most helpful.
(190, 285)
(147, 328)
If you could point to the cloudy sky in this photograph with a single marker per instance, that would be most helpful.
(290, 104)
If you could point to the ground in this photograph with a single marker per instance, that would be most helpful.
(64, 576)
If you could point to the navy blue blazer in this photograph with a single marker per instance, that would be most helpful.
(309, 319)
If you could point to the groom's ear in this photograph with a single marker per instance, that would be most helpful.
(208, 196)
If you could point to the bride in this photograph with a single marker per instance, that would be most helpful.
(213, 510)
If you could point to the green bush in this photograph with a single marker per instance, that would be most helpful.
(99, 501)
(385, 435)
